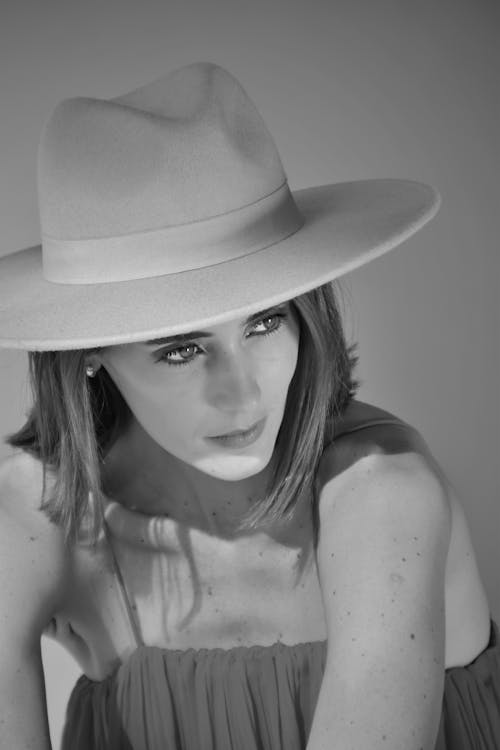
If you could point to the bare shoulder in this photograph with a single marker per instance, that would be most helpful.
(365, 430)
(21, 484)
(32, 549)
(380, 469)
(391, 482)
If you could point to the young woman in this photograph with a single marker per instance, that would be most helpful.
(238, 553)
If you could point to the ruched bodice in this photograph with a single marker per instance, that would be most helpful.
(251, 698)
(245, 697)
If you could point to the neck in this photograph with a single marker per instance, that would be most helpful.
(144, 477)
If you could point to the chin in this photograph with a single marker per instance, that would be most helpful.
(233, 468)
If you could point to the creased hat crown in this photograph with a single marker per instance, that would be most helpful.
(186, 147)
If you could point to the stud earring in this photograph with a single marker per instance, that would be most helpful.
(90, 371)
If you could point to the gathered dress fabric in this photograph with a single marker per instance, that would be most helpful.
(249, 698)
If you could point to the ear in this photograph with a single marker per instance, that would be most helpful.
(93, 362)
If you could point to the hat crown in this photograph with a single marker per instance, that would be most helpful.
(184, 148)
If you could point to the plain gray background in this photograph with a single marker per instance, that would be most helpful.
(350, 89)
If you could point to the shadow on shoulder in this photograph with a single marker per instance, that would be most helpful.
(366, 430)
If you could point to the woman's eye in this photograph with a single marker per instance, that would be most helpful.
(268, 324)
(182, 355)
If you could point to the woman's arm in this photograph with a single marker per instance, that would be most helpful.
(31, 580)
(384, 535)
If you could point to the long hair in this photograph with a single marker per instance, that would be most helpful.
(74, 421)
(321, 388)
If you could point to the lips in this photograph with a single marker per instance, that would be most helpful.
(243, 431)
(240, 438)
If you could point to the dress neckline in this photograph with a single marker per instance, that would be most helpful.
(255, 649)
(208, 655)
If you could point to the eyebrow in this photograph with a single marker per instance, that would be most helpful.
(179, 337)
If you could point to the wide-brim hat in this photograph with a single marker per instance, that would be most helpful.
(167, 209)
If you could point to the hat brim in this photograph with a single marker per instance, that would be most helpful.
(345, 226)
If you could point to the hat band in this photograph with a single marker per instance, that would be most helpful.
(182, 247)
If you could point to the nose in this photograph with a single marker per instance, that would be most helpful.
(232, 385)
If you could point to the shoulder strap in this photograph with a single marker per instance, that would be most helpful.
(371, 423)
(132, 621)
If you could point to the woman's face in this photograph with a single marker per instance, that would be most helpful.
(190, 392)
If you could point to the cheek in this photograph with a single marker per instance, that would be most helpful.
(278, 368)
(171, 418)
(166, 410)
(289, 354)
(171, 408)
